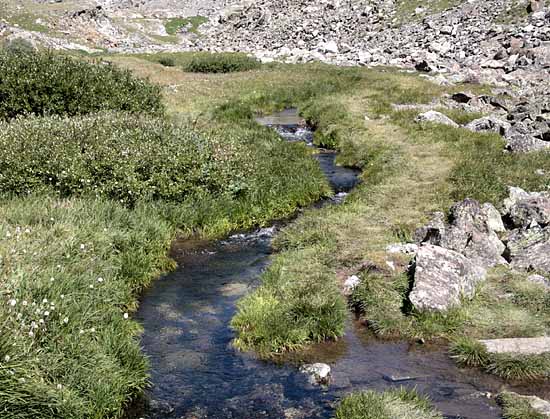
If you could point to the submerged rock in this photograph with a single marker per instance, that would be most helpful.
(523, 346)
(319, 373)
(437, 118)
(442, 277)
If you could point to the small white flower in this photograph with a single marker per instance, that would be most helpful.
(52, 279)
(91, 286)
(126, 315)
(25, 303)
(62, 296)
(31, 333)
(81, 332)
(59, 386)
(27, 230)
(46, 313)
(7, 358)
(99, 279)
(44, 301)
(82, 247)
(66, 320)
(41, 321)
(12, 302)
(92, 330)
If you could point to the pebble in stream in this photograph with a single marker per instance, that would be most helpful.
(197, 374)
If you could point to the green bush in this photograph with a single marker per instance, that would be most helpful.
(221, 63)
(167, 61)
(43, 83)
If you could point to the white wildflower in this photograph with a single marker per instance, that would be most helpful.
(12, 302)
(7, 358)
(126, 315)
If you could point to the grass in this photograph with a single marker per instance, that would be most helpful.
(515, 407)
(406, 8)
(399, 403)
(223, 62)
(173, 26)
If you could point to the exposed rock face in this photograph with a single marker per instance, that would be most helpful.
(436, 118)
(442, 277)
(319, 374)
(523, 346)
(530, 249)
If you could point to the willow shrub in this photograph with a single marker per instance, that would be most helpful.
(44, 83)
(224, 62)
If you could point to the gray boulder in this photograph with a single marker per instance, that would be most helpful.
(488, 124)
(520, 141)
(539, 279)
(530, 249)
(471, 232)
(527, 208)
(442, 278)
(436, 118)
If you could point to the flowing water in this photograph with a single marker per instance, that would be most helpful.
(197, 374)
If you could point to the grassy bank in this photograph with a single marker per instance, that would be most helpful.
(89, 207)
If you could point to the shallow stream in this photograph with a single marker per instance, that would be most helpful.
(197, 374)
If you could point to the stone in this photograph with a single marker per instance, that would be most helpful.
(522, 143)
(470, 234)
(351, 283)
(535, 6)
(539, 279)
(442, 278)
(493, 218)
(523, 346)
(330, 47)
(529, 249)
(433, 231)
(406, 248)
(319, 373)
(488, 123)
(462, 97)
(523, 208)
(541, 406)
(436, 118)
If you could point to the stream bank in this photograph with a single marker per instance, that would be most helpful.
(196, 373)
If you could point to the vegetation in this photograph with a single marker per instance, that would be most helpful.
(399, 403)
(517, 408)
(223, 62)
(192, 24)
(167, 61)
(43, 83)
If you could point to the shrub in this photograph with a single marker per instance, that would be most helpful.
(221, 63)
(44, 83)
(167, 61)
(19, 45)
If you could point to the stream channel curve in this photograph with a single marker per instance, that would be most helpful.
(197, 374)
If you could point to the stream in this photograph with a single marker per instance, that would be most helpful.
(197, 374)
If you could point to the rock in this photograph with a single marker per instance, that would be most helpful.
(539, 279)
(330, 47)
(523, 346)
(319, 374)
(406, 248)
(437, 118)
(462, 97)
(433, 231)
(535, 6)
(470, 233)
(536, 403)
(520, 140)
(525, 208)
(488, 123)
(442, 277)
(529, 249)
(493, 218)
(351, 283)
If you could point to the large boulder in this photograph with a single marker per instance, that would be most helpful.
(530, 249)
(318, 374)
(526, 208)
(471, 232)
(443, 277)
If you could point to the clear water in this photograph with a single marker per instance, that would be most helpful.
(197, 374)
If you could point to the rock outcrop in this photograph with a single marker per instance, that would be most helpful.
(523, 346)
(443, 277)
